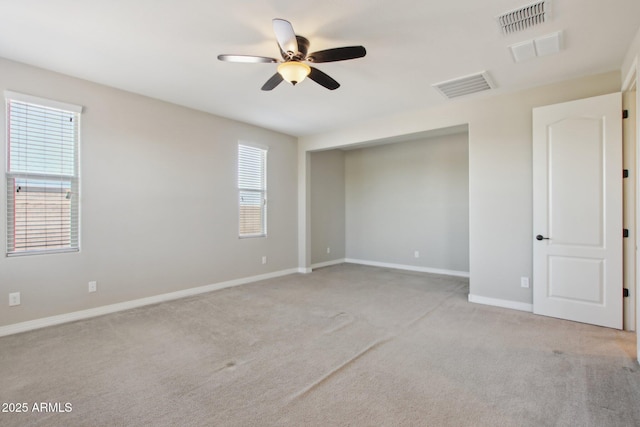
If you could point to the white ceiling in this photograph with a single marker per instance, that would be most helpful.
(167, 49)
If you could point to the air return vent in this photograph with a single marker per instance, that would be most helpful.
(525, 17)
(464, 85)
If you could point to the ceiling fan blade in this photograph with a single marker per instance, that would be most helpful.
(246, 58)
(274, 81)
(323, 79)
(337, 54)
(285, 35)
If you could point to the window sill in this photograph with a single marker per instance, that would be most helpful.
(42, 252)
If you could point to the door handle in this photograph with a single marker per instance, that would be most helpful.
(539, 237)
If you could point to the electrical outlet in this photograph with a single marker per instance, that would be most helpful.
(416, 254)
(264, 259)
(93, 286)
(14, 299)
(328, 250)
(524, 282)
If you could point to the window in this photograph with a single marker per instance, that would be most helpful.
(252, 190)
(42, 175)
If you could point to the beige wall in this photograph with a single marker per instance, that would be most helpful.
(158, 204)
(327, 206)
(631, 58)
(500, 177)
(407, 197)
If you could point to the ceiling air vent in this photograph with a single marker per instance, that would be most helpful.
(524, 17)
(464, 85)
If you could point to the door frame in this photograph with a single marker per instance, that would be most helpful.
(631, 82)
(630, 210)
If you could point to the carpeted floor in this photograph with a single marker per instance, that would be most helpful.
(344, 346)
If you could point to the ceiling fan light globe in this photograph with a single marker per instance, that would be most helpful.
(293, 71)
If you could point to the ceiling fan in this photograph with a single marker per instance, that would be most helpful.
(294, 50)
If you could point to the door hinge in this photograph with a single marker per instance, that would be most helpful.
(625, 114)
(625, 293)
(625, 173)
(625, 232)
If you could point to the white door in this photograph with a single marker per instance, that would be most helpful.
(577, 210)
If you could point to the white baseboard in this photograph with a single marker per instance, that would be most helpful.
(304, 270)
(409, 267)
(127, 305)
(327, 263)
(514, 305)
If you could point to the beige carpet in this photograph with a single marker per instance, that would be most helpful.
(344, 346)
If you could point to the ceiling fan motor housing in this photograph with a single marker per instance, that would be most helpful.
(301, 54)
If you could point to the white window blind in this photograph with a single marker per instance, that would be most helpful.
(42, 175)
(252, 190)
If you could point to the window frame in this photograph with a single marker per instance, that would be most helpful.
(68, 183)
(262, 192)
